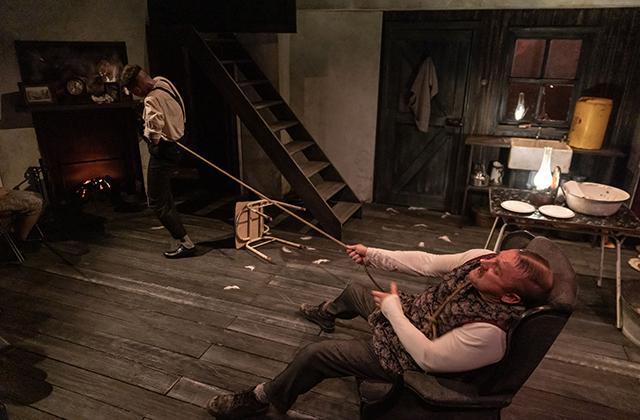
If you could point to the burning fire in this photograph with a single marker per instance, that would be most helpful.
(95, 184)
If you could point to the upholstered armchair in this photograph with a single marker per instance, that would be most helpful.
(482, 393)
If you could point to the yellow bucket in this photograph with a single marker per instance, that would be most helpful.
(590, 119)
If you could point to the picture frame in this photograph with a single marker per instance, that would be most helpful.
(37, 93)
(113, 89)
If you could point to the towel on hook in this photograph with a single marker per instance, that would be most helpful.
(424, 88)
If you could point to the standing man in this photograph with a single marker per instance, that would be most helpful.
(164, 120)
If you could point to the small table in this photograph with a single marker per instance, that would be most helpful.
(617, 226)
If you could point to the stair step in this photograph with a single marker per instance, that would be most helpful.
(344, 210)
(265, 104)
(297, 146)
(329, 188)
(217, 36)
(243, 83)
(281, 125)
(237, 61)
(222, 69)
(215, 41)
(312, 167)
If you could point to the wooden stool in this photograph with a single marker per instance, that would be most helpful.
(251, 229)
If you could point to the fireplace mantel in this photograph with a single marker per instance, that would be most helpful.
(87, 141)
(76, 107)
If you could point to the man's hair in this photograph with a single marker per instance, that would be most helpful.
(129, 76)
(538, 283)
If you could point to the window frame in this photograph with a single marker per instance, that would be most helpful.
(585, 76)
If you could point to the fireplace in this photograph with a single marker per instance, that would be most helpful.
(97, 142)
(85, 124)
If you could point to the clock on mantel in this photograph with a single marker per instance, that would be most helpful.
(75, 86)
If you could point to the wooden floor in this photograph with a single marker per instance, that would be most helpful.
(106, 328)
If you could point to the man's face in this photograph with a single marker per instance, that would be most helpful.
(495, 278)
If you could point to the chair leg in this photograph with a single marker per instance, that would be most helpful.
(12, 244)
(3, 412)
(4, 345)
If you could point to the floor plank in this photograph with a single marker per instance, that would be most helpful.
(105, 323)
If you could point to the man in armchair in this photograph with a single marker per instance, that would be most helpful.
(455, 326)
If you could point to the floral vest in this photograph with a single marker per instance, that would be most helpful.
(466, 307)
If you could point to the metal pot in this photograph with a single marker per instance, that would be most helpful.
(598, 200)
(479, 177)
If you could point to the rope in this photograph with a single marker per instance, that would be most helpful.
(278, 205)
(432, 321)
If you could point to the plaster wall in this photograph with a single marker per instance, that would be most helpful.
(55, 20)
(334, 74)
(334, 71)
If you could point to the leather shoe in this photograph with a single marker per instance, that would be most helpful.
(316, 314)
(182, 252)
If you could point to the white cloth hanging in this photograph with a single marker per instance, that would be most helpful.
(424, 88)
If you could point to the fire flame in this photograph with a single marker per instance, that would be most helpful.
(100, 184)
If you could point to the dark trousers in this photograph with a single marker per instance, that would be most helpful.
(331, 358)
(163, 160)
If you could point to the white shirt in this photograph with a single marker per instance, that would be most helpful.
(163, 116)
(468, 347)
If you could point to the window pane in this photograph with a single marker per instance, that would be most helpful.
(527, 101)
(556, 102)
(564, 55)
(528, 57)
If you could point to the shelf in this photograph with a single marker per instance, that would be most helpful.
(74, 107)
(599, 152)
(474, 188)
(489, 141)
(505, 142)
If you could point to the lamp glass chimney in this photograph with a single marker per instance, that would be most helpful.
(543, 178)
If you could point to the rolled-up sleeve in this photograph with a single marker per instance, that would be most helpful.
(420, 263)
(153, 118)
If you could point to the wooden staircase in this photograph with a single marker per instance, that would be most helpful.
(263, 111)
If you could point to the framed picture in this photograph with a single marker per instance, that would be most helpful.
(36, 94)
(112, 89)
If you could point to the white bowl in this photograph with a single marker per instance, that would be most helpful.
(598, 200)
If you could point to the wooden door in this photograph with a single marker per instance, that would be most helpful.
(416, 168)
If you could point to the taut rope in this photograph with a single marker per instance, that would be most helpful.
(275, 203)
(432, 320)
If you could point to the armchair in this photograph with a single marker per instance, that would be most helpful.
(482, 393)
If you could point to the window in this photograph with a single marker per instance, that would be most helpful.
(546, 70)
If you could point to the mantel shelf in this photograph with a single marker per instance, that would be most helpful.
(75, 107)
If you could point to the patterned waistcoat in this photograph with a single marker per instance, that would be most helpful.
(466, 307)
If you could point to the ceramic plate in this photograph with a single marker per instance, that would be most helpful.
(518, 206)
(557, 212)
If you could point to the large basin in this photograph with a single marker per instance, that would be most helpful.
(593, 199)
(527, 154)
